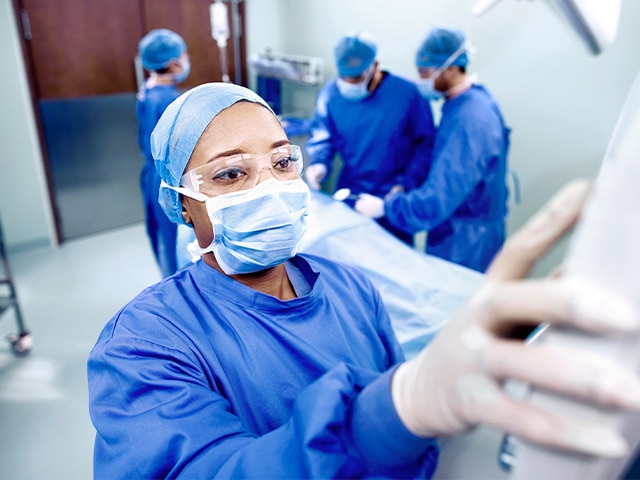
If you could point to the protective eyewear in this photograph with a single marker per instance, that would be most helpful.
(242, 171)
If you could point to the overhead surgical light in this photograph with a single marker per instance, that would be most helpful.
(595, 21)
(481, 6)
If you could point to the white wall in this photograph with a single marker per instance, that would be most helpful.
(265, 28)
(561, 101)
(24, 199)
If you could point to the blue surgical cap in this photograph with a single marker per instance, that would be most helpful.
(354, 54)
(158, 47)
(439, 45)
(179, 129)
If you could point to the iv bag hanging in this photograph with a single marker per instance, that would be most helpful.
(220, 32)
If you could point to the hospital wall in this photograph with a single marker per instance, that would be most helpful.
(560, 101)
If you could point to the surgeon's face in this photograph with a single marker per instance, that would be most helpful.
(438, 76)
(426, 73)
(245, 127)
(365, 77)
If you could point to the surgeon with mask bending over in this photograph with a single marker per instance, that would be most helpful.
(260, 362)
(376, 121)
(463, 202)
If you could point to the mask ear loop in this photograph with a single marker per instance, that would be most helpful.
(369, 78)
(194, 248)
(452, 58)
(471, 78)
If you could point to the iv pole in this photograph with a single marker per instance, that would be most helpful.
(237, 34)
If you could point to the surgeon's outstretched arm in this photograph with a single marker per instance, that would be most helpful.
(456, 382)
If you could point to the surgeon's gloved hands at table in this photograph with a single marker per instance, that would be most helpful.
(314, 175)
(456, 382)
(370, 206)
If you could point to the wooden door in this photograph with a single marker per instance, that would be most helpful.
(84, 50)
(81, 48)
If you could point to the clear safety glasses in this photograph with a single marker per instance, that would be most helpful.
(242, 171)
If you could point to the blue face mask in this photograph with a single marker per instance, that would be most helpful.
(355, 91)
(352, 91)
(258, 228)
(427, 90)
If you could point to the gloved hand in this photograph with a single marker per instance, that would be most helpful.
(370, 206)
(315, 174)
(456, 382)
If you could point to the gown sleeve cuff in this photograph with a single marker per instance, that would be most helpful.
(377, 430)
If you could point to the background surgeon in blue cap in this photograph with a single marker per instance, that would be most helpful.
(377, 122)
(463, 202)
(260, 362)
(164, 54)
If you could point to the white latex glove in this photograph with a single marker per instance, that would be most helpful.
(315, 174)
(370, 206)
(456, 382)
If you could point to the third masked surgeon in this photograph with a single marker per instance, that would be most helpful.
(463, 202)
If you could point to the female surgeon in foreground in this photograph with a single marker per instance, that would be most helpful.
(257, 362)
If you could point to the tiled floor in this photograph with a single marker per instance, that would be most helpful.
(66, 295)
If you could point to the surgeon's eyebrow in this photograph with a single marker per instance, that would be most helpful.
(239, 151)
(280, 143)
(228, 153)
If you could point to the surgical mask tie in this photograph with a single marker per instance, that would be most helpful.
(355, 91)
(257, 228)
(186, 70)
(426, 85)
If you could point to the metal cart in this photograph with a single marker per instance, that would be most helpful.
(20, 342)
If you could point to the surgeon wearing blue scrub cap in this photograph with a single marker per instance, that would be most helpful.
(376, 122)
(260, 362)
(463, 202)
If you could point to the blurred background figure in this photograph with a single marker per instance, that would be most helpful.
(164, 55)
(376, 121)
(463, 202)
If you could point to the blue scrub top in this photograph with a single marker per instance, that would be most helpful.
(463, 202)
(150, 104)
(383, 140)
(201, 376)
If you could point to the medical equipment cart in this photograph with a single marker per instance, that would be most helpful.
(20, 342)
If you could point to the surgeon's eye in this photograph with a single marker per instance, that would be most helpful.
(228, 175)
(284, 163)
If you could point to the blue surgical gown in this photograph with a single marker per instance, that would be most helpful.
(201, 376)
(150, 104)
(463, 202)
(383, 140)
